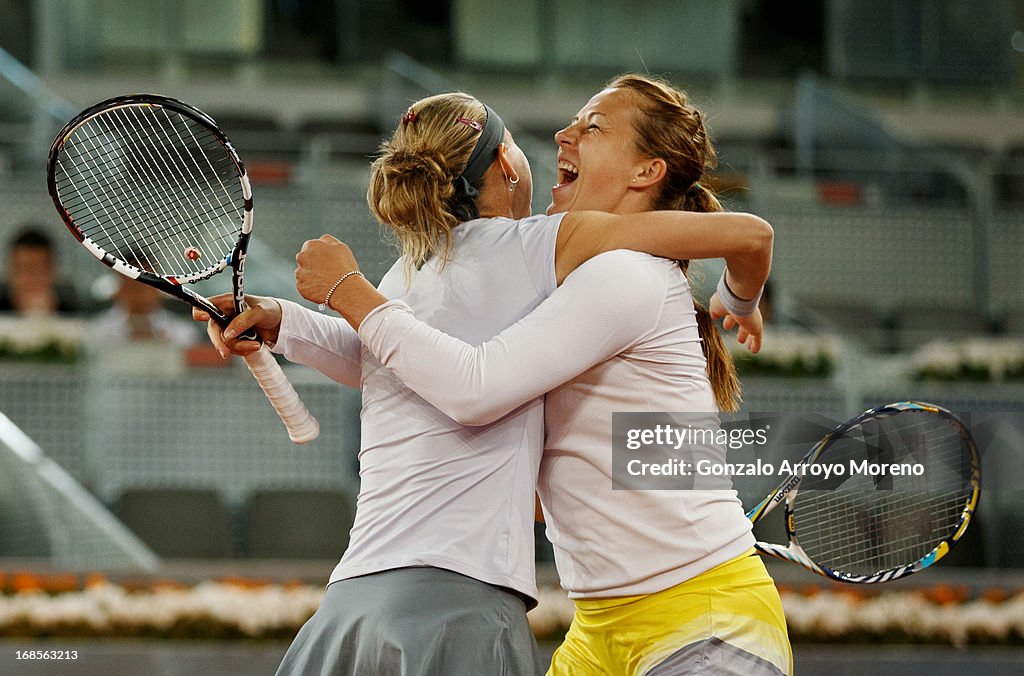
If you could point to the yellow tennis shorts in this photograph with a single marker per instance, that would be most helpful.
(728, 620)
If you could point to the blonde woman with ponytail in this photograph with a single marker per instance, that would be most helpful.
(439, 571)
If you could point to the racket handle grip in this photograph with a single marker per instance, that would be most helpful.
(302, 426)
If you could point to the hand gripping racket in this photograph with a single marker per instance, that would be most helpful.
(870, 525)
(153, 188)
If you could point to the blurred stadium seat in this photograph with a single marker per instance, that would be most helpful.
(260, 136)
(913, 325)
(298, 524)
(344, 138)
(183, 523)
(1009, 184)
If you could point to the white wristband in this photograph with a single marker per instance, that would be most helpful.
(327, 300)
(735, 305)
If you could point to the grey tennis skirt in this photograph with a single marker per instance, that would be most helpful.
(415, 622)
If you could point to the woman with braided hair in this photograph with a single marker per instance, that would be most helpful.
(440, 567)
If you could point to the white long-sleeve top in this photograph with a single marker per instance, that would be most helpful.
(433, 492)
(619, 335)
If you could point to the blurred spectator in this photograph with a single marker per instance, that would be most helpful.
(767, 304)
(31, 287)
(138, 315)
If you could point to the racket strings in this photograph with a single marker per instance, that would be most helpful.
(151, 187)
(863, 524)
(205, 155)
(199, 215)
(116, 207)
(112, 154)
(110, 203)
(877, 535)
(192, 180)
(168, 202)
(880, 546)
(199, 203)
(140, 226)
(104, 192)
(866, 539)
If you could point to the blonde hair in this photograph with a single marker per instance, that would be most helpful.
(668, 127)
(412, 179)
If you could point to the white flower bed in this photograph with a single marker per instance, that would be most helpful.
(980, 359)
(788, 353)
(52, 339)
(216, 609)
(109, 610)
(903, 617)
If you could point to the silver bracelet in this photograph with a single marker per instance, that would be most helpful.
(327, 300)
(739, 307)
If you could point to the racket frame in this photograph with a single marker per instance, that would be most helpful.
(302, 427)
(170, 284)
(787, 491)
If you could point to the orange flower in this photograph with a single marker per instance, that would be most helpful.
(166, 585)
(57, 583)
(945, 594)
(24, 581)
(852, 594)
(995, 595)
(245, 582)
(810, 590)
(95, 580)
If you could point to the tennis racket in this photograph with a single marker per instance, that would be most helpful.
(153, 188)
(864, 528)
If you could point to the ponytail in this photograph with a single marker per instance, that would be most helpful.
(669, 127)
(698, 198)
(409, 192)
(416, 177)
(721, 370)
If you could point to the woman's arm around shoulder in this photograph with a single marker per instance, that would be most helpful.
(744, 240)
(606, 306)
